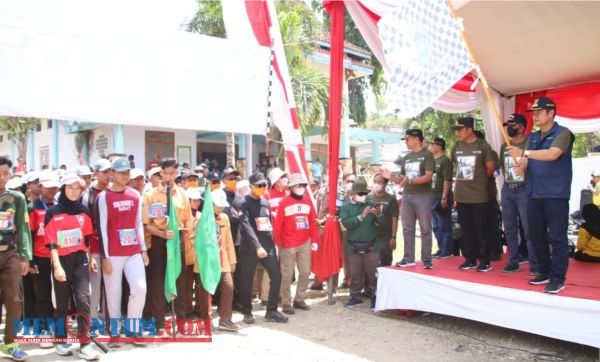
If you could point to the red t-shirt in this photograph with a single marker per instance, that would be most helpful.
(120, 222)
(68, 232)
(295, 222)
(274, 197)
(36, 224)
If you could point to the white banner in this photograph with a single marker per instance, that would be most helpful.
(63, 60)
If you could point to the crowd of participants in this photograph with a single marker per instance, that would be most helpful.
(93, 240)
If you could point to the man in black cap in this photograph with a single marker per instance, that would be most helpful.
(257, 245)
(189, 180)
(213, 180)
(514, 197)
(474, 162)
(441, 192)
(417, 171)
(549, 172)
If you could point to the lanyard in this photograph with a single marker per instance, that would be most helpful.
(44, 203)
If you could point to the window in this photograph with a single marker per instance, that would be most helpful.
(38, 127)
(49, 126)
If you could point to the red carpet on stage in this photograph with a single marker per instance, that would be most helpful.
(583, 279)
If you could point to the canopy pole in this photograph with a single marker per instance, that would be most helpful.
(480, 76)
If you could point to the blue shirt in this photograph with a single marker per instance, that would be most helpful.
(317, 169)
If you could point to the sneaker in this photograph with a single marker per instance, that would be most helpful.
(301, 305)
(373, 303)
(524, 261)
(535, 273)
(288, 309)
(436, 255)
(64, 349)
(229, 326)
(15, 352)
(427, 264)
(404, 263)
(539, 280)
(511, 268)
(249, 318)
(554, 287)
(88, 353)
(467, 265)
(352, 302)
(343, 286)
(45, 345)
(275, 316)
(484, 268)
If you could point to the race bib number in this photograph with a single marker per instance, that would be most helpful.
(466, 168)
(6, 221)
(301, 222)
(128, 237)
(69, 238)
(157, 210)
(263, 224)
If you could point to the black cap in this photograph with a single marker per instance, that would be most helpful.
(257, 178)
(440, 142)
(516, 118)
(413, 132)
(188, 175)
(542, 103)
(464, 122)
(211, 176)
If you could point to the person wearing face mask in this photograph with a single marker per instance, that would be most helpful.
(295, 234)
(257, 246)
(228, 266)
(213, 180)
(386, 231)
(230, 179)
(514, 197)
(359, 217)
(189, 180)
(242, 190)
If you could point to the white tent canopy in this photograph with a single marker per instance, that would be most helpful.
(114, 62)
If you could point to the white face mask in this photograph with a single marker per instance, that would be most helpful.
(378, 187)
(299, 191)
(349, 186)
(284, 182)
(360, 199)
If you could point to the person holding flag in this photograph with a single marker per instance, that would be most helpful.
(163, 229)
(122, 244)
(257, 246)
(216, 259)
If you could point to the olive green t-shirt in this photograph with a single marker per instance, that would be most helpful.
(414, 165)
(471, 185)
(389, 208)
(562, 140)
(444, 171)
(492, 188)
(507, 163)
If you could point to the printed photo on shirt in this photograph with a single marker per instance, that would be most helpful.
(511, 173)
(466, 168)
(412, 169)
(433, 179)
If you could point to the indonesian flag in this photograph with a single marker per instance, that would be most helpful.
(256, 21)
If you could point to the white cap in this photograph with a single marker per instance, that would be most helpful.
(595, 174)
(241, 184)
(31, 176)
(49, 179)
(71, 178)
(84, 171)
(275, 174)
(135, 173)
(194, 193)
(102, 165)
(153, 170)
(14, 183)
(219, 198)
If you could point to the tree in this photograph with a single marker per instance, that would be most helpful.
(18, 129)
(208, 20)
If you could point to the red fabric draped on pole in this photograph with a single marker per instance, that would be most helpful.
(328, 260)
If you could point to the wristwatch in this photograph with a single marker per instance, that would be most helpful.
(526, 153)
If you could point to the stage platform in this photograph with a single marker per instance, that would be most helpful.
(502, 299)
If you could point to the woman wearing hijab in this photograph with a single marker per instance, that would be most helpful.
(588, 243)
(67, 225)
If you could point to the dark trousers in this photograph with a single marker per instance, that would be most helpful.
(156, 303)
(550, 215)
(28, 296)
(441, 221)
(493, 229)
(77, 286)
(42, 289)
(236, 278)
(192, 290)
(385, 253)
(473, 220)
(363, 269)
(10, 287)
(247, 265)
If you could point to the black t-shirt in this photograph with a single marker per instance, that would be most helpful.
(256, 226)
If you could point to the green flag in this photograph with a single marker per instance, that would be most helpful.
(173, 252)
(207, 246)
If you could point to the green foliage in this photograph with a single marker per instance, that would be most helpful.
(584, 143)
(208, 20)
(18, 129)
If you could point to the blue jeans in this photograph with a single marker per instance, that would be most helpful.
(442, 227)
(551, 215)
(514, 207)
